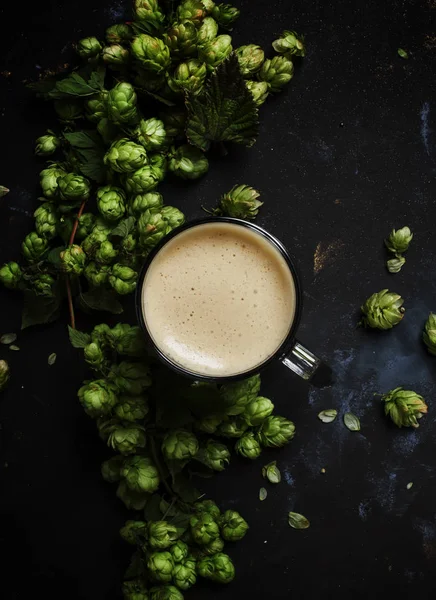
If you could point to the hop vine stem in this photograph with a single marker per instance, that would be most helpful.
(70, 243)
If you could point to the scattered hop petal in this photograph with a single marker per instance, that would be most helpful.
(272, 472)
(327, 416)
(262, 494)
(404, 407)
(399, 240)
(382, 310)
(429, 333)
(351, 422)
(298, 521)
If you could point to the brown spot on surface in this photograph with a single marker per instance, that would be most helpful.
(325, 254)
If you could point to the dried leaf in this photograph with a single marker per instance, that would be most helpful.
(327, 416)
(352, 422)
(8, 338)
(13, 347)
(262, 494)
(298, 521)
(52, 359)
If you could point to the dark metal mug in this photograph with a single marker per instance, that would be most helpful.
(292, 354)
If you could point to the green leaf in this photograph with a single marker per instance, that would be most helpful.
(100, 299)
(402, 53)
(152, 510)
(262, 494)
(8, 338)
(272, 472)
(3, 191)
(123, 228)
(132, 500)
(328, 415)
(90, 151)
(185, 489)
(39, 310)
(52, 359)
(352, 422)
(204, 399)
(225, 111)
(298, 521)
(54, 257)
(80, 83)
(78, 339)
(136, 566)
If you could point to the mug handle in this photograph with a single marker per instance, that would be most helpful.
(308, 366)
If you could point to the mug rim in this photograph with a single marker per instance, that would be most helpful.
(284, 346)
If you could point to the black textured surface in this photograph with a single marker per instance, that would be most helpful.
(344, 154)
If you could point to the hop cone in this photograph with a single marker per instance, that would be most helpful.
(382, 310)
(241, 202)
(404, 407)
(429, 334)
(399, 240)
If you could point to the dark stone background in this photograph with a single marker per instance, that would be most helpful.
(344, 154)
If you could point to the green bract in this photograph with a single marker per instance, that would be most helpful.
(141, 474)
(241, 202)
(404, 407)
(47, 144)
(216, 51)
(4, 374)
(118, 34)
(134, 532)
(43, 285)
(143, 202)
(10, 275)
(123, 279)
(46, 220)
(290, 44)
(189, 76)
(218, 568)
(73, 260)
(399, 240)
(275, 432)
(151, 53)
(49, 180)
(98, 397)
(225, 15)
(122, 104)
(141, 181)
(257, 411)
(111, 202)
(208, 506)
(259, 90)
(250, 58)
(179, 445)
(207, 31)
(88, 47)
(277, 72)
(124, 156)
(160, 566)
(233, 526)
(382, 310)
(181, 39)
(188, 162)
(151, 134)
(96, 274)
(184, 574)
(74, 187)
(96, 107)
(34, 247)
(204, 528)
(248, 446)
(161, 534)
(115, 55)
(132, 408)
(429, 333)
(131, 378)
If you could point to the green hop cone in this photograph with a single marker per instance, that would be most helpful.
(102, 334)
(233, 526)
(208, 6)
(234, 428)
(96, 107)
(188, 162)
(123, 279)
(49, 180)
(250, 59)
(399, 240)
(122, 104)
(141, 181)
(94, 356)
(43, 285)
(142, 202)
(259, 90)
(152, 227)
(237, 395)
(131, 499)
(165, 592)
(151, 53)
(214, 455)
(131, 378)
(173, 215)
(148, 13)
(277, 72)
(111, 469)
(275, 432)
(181, 39)
(225, 15)
(111, 202)
(174, 120)
(98, 397)
(132, 408)
(248, 446)
(207, 31)
(191, 10)
(73, 187)
(162, 534)
(118, 34)
(257, 411)
(96, 274)
(34, 247)
(135, 589)
(141, 474)
(85, 226)
(208, 506)
(128, 244)
(394, 265)
(73, 260)
(428, 335)
(160, 566)
(404, 407)
(116, 56)
(210, 549)
(108, 130)
(128, 340)
(184, 574)
(151, 134)
(88, 47)
(106, 253)
(124, 156)
(188, 76)
(213, 53)
(125, 439)
(382, 310)
(290, 44)
(179, 445)
(204, 528)
(241, 202)
(179, 551)
(134, 532)
(47, 144)
(209, 423)
(68, 110)
(11, 275)
(4, 374)
(158, 163)
(218, 568)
